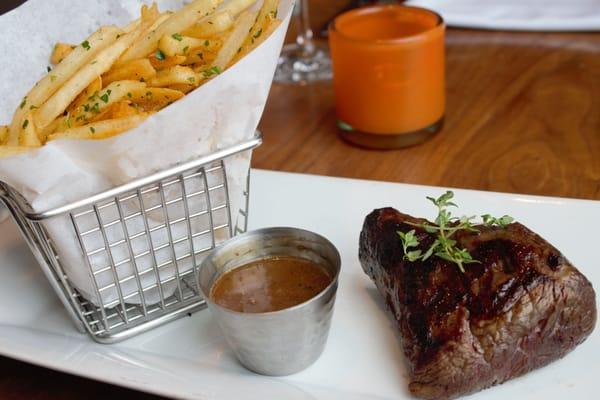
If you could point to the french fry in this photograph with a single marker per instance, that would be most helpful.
(9, 151)
(96, 91)
(235, 7)
(234, 41)
(154, 99)
(99, 40)
(102, 63)
(139, 70)
(162, 17)
(92, 88)
(175, 76)
(218, 23)
(3, 134)
(183, 88)
(267, 13)
(60, 123)
(60, 52)
(101, 101)
(132, 25)
(198, 58)
(100, 129)
(28, 135)
(183, 45)
(264, 25)
(166, 62)
(271, 25)
(154, 10)
(207, 53)
(179, 21)
(122, 109)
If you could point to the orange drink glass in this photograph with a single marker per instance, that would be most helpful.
(389, 75)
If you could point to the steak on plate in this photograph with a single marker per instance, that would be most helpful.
(523, 306)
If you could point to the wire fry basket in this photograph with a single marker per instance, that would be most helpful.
(167, 206)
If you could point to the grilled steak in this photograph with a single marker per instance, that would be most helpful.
(523, 306)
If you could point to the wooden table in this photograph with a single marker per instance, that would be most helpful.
(523, 116)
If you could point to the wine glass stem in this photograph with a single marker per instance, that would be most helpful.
(305, 34)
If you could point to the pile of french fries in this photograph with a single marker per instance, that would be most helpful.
(117, 77)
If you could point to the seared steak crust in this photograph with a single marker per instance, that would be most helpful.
(523, 306)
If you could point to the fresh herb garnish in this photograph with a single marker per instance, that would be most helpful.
(177, 37)
(86, 45)
(25, 123)
(212, 71)
(446, 225)
(159, 55)
(501, 222)
(206, 43)
(105, 96)
(23, 102)
(409, 240)
(92, 129)
(93, 96)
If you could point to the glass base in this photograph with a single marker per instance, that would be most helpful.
(297, 66)
(391, 141)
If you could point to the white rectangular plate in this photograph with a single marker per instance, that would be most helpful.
(189, 359)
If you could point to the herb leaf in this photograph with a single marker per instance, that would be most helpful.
(159, 55)
(177, 37)
(212, 71)
(86, 45)
(504, 220)
(446, 225)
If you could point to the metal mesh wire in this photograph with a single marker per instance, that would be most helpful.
(142, 249)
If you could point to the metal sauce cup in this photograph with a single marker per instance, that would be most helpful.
(280, 342)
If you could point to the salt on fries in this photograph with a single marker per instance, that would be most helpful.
(117, 77)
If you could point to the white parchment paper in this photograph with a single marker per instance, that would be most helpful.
(222, 112)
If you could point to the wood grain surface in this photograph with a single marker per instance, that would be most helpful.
(523, 116)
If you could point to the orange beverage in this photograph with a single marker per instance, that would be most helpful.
(389, 74)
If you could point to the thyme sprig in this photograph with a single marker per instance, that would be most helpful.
(446, 225)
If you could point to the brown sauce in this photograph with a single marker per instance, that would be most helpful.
(270, 284)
